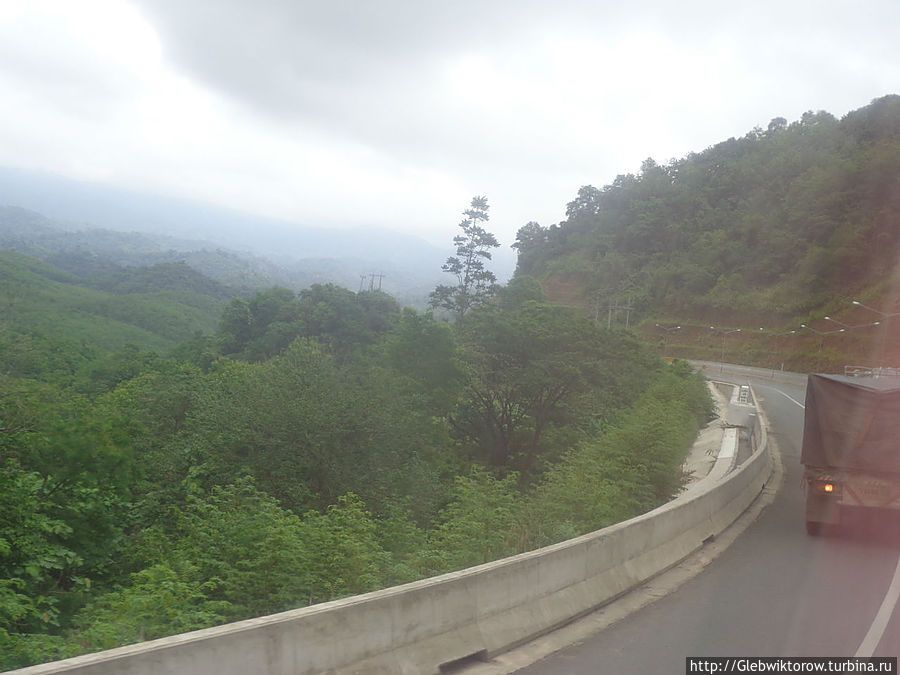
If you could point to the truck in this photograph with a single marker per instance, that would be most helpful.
(851, 446)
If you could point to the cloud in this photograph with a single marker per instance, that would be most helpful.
(437, 80)
(396, 112)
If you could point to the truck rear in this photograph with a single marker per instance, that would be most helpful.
(851, 447)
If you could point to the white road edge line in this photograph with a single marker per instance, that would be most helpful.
(790, 398)
(879, 625)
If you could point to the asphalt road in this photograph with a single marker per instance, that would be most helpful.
(774, 592)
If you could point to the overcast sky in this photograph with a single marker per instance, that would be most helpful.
(396, 112)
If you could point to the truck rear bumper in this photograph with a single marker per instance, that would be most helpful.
(822, 509)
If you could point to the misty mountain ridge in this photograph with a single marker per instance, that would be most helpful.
(53, 216)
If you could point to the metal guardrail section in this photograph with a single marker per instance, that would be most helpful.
(865, 371)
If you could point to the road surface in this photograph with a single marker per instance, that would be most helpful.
(774, 592)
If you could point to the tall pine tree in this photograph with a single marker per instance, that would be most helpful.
(475, 284)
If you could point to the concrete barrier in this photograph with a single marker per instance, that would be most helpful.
(474, 613)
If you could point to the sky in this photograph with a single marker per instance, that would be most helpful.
(395, 113)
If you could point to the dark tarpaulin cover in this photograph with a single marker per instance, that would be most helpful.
(852, 423)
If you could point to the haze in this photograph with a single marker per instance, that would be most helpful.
(395, 113)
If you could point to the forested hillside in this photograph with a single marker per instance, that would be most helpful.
(171, 460)
(61, 328)
(262, 256)
(176, 452)
(91, 253)
(770, 227)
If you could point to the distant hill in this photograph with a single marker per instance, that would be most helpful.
(234, 248)
(92, 253)
(52, 323)
(777, 223)
(779, 228)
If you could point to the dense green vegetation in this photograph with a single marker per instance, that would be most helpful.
(56, 327)
(161, 471)
(774, 225)
(176, 454)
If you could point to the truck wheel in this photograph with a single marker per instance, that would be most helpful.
(813, 528)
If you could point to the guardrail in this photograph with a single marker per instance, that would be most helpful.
(473, 613)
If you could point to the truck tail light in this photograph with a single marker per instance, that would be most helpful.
(826, 487)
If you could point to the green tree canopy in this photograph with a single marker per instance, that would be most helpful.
(538, 367)
(777, 222)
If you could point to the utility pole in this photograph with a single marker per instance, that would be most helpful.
(616, 307)
(372, 277)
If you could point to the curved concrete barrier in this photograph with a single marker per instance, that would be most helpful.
(418, 627)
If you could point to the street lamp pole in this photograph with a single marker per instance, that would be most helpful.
(779, 349)
(848, 326)
(724, 333)
(872, 309)
(839, 323)
(669, 330)
(821, 334)
(884, 331)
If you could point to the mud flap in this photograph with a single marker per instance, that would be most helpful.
(822, 509)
